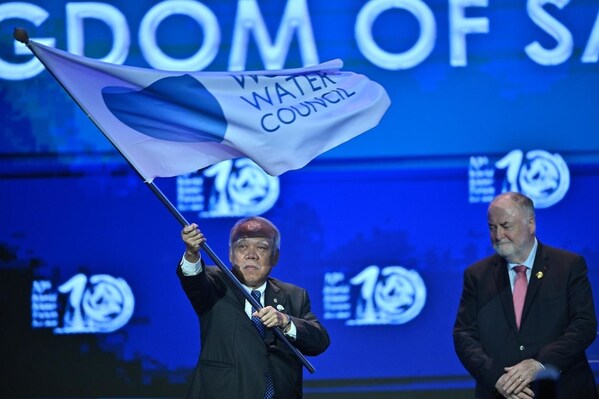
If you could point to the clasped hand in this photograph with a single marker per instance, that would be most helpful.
(515, 383)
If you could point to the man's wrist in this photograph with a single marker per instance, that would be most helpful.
(287, 325)
(192, 257)
(190, 268)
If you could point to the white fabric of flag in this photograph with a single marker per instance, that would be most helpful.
(172, 123)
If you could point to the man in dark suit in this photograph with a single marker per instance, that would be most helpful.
(557, 321)
(239, 359)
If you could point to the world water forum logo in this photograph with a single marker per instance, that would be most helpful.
(541, 176)
(233, 188)
(98, 304)
(374, 296)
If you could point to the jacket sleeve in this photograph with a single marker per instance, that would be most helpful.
(466, 338)
(312, 338)
(202, 290)
(581, 326)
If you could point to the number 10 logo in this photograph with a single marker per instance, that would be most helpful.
(100, 304)
(393, 295)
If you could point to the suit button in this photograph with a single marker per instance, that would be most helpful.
(521, 347)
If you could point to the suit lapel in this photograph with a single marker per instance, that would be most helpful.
(275, 297)
(241, 307)
(539, 269)
(238, 295)
(504, 290)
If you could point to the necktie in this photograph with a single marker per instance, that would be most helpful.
(257, 322)
(269, 393)
(519, 293)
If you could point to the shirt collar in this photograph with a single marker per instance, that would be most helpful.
(530, 260)
(262, 288)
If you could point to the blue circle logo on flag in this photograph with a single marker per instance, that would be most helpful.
(177, 108)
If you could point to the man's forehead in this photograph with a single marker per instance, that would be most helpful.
(253, 240)
(253, 229)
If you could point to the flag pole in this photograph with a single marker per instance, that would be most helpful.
(22, 36)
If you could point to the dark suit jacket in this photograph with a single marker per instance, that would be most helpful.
(558, 322)
(233, 355)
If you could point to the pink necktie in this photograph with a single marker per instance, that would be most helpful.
(519, 294)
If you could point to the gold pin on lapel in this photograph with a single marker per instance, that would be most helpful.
(539, 275)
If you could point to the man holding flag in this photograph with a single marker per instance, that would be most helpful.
(166, 124)
(240, 356)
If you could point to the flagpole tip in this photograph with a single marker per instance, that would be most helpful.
(21, 35)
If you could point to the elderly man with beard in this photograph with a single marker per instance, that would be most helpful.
(525, 308)
(240, 355)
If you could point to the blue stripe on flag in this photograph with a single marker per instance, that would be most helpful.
(176, 108)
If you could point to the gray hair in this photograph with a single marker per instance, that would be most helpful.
(524, 203)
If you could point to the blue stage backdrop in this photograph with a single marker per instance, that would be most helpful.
(486, 97)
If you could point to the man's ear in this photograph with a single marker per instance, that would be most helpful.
(275, 257)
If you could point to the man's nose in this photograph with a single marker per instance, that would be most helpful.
(499, 233)
(251, 254)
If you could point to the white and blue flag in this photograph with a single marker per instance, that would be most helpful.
(172, 123)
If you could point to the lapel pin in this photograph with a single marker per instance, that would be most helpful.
(280, 308)
(539, 275)
(275, 300)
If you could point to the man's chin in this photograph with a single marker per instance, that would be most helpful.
(503, 250)
(249, 279)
